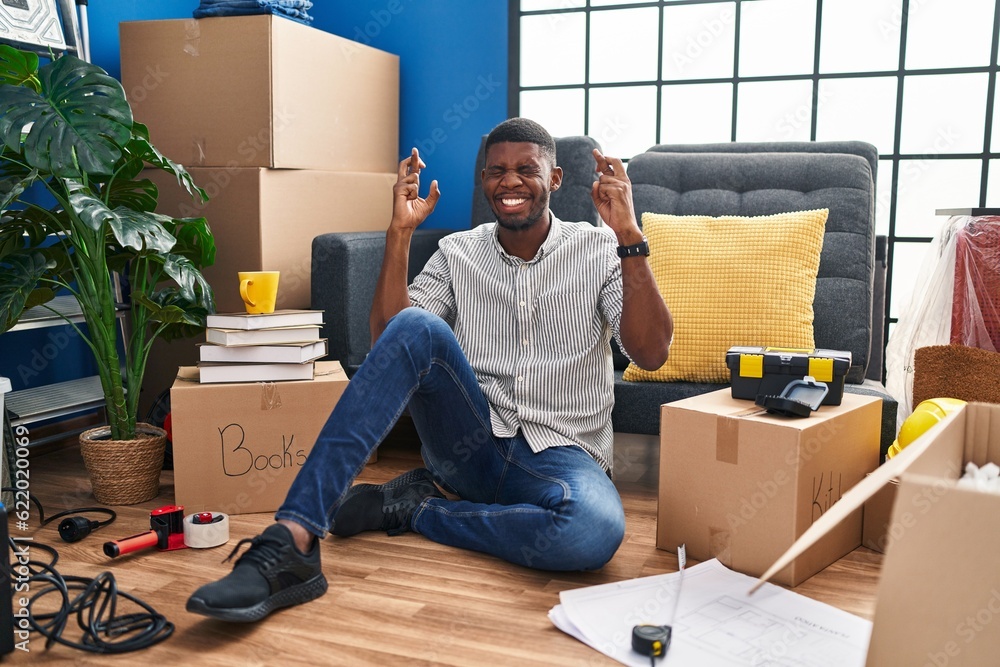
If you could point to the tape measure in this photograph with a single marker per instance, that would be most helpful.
(205, 530)
(651, 640)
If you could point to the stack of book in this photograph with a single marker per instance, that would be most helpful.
(241, 347)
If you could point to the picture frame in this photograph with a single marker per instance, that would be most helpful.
(38, 25)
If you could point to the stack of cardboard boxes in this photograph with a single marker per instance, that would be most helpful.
(292, 131)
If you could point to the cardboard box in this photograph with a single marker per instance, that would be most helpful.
(939, 594)
(262, 91)
(878, 516)
(237, 447)
(266, 219)
(741, 485)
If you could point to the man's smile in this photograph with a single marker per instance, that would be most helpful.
(511, 203)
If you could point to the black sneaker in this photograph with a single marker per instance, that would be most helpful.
(388, 506)
(271, 574)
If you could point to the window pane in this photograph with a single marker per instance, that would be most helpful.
(927, 185)
(862, 109)
(777, 37)
(623, 120)
(552, 49)
(608, 3)
(860, 35)
(559, 111)
(624, 45)
(993, 185)
(943, 113)
(949, 34)
(699, 41)
(883, 196)
(697, 113)
(774, 111)
(907, 262)
(535, 5)
(994, 137)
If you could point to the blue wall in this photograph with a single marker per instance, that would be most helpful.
(453, 81)
(453, 89)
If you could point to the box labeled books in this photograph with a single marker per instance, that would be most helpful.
(238, 446)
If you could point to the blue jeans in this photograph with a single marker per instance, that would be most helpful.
(554, 510)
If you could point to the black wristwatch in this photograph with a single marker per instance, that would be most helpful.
(634, 250)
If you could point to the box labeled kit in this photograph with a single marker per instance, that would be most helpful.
(261, 91)
(742, 485)
(768, 370)
(238, 446)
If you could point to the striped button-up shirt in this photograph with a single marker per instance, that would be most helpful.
(537, 333)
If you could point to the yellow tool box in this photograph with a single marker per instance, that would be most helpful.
(768, 370)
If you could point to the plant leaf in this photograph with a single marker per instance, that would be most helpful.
(184, 319)
(11, 187)
(139, 230)
(194, 240)
(137, 195)
(79, 120)
(19, 275)
(18, 68)
(140, 147)
(191, 284)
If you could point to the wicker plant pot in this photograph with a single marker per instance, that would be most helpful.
(124, 472)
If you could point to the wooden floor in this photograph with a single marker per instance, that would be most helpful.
(392, 600)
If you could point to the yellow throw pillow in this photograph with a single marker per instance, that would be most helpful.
(732, 281)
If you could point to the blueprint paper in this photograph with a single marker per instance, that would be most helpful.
(717, 623)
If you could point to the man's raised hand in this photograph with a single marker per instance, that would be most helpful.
(408, 208)
(612, 194)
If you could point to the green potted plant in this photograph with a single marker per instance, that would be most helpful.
(67, 129)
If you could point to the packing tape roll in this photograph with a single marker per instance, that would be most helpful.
(206, 535)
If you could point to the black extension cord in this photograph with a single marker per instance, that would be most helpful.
(95, 608)
(74, 528)
(95, 603)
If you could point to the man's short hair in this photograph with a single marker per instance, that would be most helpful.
(523, 130)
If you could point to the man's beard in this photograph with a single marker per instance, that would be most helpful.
(520, 224)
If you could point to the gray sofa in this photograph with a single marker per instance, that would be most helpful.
(711, 179)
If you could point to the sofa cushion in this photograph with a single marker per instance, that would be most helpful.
(764, 183)
(732, 281)
(637, 404)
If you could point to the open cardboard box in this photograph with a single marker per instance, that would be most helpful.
(939, 594)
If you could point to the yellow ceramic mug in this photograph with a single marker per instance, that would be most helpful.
(259, 290)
